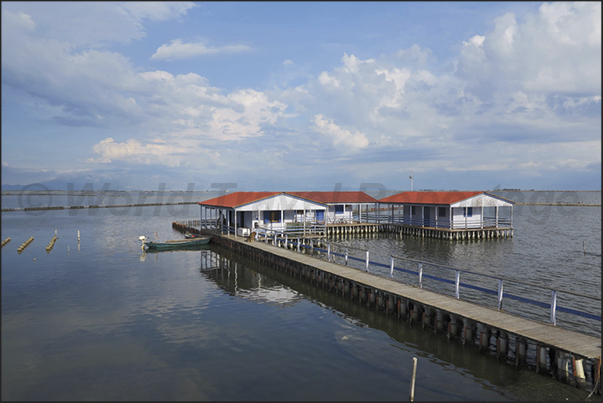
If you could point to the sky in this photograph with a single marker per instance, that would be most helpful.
(286, 96)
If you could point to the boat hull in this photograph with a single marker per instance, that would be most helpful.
(178, 243)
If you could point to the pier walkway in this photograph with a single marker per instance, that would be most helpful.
(566, 355)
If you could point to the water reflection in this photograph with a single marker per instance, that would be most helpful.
(240, 281)
(242, 277)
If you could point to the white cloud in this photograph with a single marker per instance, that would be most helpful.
(178, 50)
(532, 80)
(415, 55)
(557, 50)
(346, 140)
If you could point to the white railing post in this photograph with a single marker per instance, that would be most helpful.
(500, 294)
(275, 238)
(346, 255)
(329, 251)
(367, 260)
(457, 283)
(391, 266)
(298, 244)
(421, 275)
(286, 241)
(554, 308)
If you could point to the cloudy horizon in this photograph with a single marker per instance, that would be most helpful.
(302, 95)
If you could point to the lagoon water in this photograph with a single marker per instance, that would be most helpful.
(101, 320)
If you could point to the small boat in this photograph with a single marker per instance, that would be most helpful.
(175, 244)
(189, 235)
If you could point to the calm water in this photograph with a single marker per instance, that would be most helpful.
(105, 321)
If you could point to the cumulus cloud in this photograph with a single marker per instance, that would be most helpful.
(179, 50)
(557, 50)
(345, 139)
(530, 80)
(133, 151)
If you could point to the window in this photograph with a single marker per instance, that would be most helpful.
(441, 211)
(412, 210)
(468, 212)
(338, 208)
(272, 216)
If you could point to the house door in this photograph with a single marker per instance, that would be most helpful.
(426, 216)
(320, 215)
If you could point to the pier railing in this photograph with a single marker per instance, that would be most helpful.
(483, 289)
(472, 223)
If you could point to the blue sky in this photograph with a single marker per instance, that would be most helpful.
(302, 95)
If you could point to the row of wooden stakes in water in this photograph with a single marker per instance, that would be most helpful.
(25, 244)
(29, 240)
(51, 244)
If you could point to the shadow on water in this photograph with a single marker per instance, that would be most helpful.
(242, 277)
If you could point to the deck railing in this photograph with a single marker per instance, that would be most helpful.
(480, 290)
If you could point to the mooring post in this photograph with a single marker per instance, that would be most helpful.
(554, 308)
(367, 260)
(412, 381)
(500, 294)
(346, 255)
(421, 275)
(298, 244)
(457, 283)
(391, 268)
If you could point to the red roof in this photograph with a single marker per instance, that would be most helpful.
(429, 197)
(336, 197)
(237, 199)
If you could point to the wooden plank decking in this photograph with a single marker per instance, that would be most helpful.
(576, 343)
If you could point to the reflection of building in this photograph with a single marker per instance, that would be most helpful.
(241, 281)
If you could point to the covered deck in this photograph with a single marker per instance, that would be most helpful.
(453, 215)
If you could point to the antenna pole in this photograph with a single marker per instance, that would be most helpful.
(410, 181)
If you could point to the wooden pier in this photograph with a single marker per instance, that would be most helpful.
(425, 232)
(566, 355)
(446, 233)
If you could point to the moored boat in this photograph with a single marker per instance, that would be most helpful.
(175, 244)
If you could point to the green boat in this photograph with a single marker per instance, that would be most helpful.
(175, 244)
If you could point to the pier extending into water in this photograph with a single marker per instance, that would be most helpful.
(426, 232)
(563, 354)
